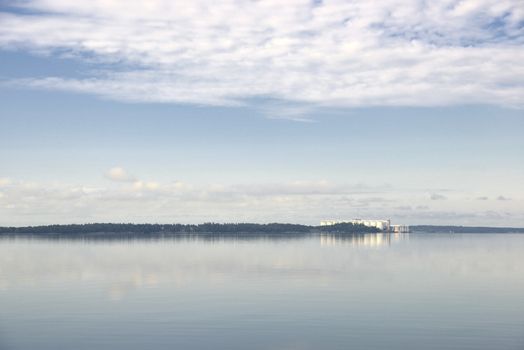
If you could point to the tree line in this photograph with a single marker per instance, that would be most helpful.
(167, 229)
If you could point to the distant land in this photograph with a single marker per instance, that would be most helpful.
(159, 230)
(464, 229)
(155, 230)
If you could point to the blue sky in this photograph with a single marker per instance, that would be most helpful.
(305, 120)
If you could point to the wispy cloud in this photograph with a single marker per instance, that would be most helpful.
(334, 53)
(299, 112)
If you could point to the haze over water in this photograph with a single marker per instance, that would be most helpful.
(375, 291)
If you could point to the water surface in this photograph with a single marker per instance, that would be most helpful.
(375, 291)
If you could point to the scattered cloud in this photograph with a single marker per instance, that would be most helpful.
(483, 198)
(119, 174)
(502, 198)
(437, 197)
(330, 53)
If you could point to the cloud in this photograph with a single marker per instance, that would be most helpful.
(502, 198)
(4, 181)
(331, 53)
(404, 208)
(483, 198)
(437, 197)
(141, 185)
(288, 111)
(471, 218)
(119, 174)
(28, 203)
(320, 188)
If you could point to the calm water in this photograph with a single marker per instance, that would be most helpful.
(321, 292)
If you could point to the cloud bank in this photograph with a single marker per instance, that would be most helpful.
(322, 53)
(28, 203)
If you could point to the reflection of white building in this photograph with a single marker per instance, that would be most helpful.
(371, 240)
(368, 240)
(383, 225)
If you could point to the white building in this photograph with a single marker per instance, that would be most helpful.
(384, 225)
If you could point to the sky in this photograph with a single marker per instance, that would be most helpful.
(259, 111)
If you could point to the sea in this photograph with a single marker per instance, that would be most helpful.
(320, 291)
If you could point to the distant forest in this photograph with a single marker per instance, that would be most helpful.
(100, 229)
(464, 229)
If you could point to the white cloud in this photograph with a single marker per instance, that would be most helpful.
(334, 53)
(141, 185)
(4, 181)
(119, 174)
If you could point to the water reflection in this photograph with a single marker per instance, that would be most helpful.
(369, 240)
(180, 237)
(373, 291)
(364, 239)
